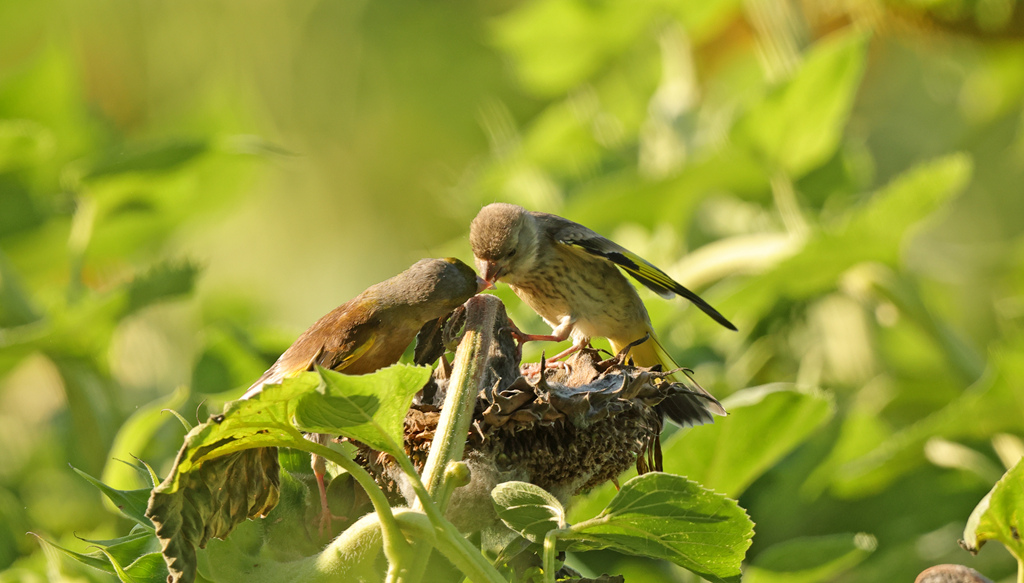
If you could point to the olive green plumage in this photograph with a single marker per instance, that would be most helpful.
(371, 331)
(570, 276)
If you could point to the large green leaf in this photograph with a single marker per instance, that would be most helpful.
(669, 517)
(368, 408)
(159, 156)
(764, 424)
(557, 44)
(872, 232)
(798, 126)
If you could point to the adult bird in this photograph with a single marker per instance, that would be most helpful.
(372, 331)
(570, 276)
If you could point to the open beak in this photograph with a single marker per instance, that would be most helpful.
(482, 284)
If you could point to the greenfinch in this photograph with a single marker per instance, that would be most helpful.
(570, 276)
(372, 331)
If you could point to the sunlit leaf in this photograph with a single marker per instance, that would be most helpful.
(556, 44)
(1000, 515)
(799, 125)
(368, 408)
(872, 232)
(669, 517)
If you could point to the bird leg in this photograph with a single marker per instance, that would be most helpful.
(558, 334)
(320, 470)
(319, 465)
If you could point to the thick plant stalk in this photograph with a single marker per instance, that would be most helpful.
(457, 413)
(456, 416)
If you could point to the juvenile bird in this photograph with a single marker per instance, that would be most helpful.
(372, 330)
(570, 276)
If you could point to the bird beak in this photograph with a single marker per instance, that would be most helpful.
(482, 284)
(491, 271)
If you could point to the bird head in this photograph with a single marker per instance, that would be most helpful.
(504, 241)
(442, 284)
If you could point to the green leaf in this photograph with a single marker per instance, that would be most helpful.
(368, 408)
(528, 509)
(669, 517)
(1000, 515)
(131, 549)
(872, 232)
(148, 568)
(165, 280)
(131, 503)
(557, 44)
(162, 156)
(226, 471)
(128, 549)
(764, 424)
(992, 405)
(16, 307)
(799, 125)
(810, 559)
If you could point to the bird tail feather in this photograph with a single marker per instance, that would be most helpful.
(693, 407)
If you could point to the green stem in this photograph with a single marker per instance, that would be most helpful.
(467, 375)
(550, 551)
(396, 549)
(451, 544)
(433, 492)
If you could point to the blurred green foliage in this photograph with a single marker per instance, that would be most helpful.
(185, 186)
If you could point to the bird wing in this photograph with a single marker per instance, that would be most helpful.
(336, 341)
(576, 235)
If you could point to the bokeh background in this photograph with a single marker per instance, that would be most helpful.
(185, 186)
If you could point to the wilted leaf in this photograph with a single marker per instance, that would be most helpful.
(528, 509)
(1000, 515)
(227, 471)
(669, 517)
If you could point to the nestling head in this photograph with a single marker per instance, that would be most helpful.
(504, 241)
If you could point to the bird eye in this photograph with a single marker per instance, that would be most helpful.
(511, 253)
